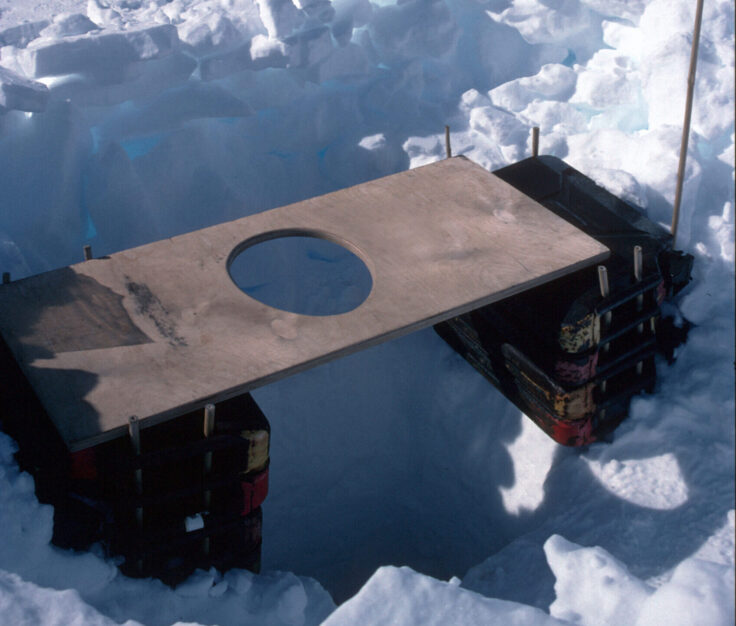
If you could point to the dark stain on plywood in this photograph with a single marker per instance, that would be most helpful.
(149, 305)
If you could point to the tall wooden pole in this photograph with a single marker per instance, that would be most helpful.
(686, 123)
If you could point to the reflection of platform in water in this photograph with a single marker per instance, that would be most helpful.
(159, 330)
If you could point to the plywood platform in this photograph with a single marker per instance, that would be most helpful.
(159, 330)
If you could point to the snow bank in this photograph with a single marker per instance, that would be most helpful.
(594, 588)
(22, 602)
(402, 597)
(123, 122)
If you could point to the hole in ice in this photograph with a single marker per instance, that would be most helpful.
(393, 455)
(301, 273)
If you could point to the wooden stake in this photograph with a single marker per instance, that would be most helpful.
(605, 292)
(686, 123)
(134, 432)
(209, 419)
(603, 281)
(448, 149)
(535, 141)
(87, 253)
(638, 264)
(6, 278)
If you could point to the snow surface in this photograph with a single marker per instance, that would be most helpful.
(125, 121)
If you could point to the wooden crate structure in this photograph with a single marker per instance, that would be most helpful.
(573, 352)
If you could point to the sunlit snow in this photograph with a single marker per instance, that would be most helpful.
(655, 482)
(532, 453)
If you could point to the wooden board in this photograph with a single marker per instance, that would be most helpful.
(159, 330)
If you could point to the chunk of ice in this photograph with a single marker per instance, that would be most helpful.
(20, 94)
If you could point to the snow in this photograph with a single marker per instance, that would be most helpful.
(126, 121)
(699, 592)
(403, 597)
(102, 55)
(580, 573)
(22, 602)
(655, 482)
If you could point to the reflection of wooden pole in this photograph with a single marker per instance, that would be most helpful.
(686, 123)
(535, 141)
(134, 432)
(448, 149)
(209, 427)
(638, 276)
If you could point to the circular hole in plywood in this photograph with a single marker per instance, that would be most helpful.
(300, 272)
